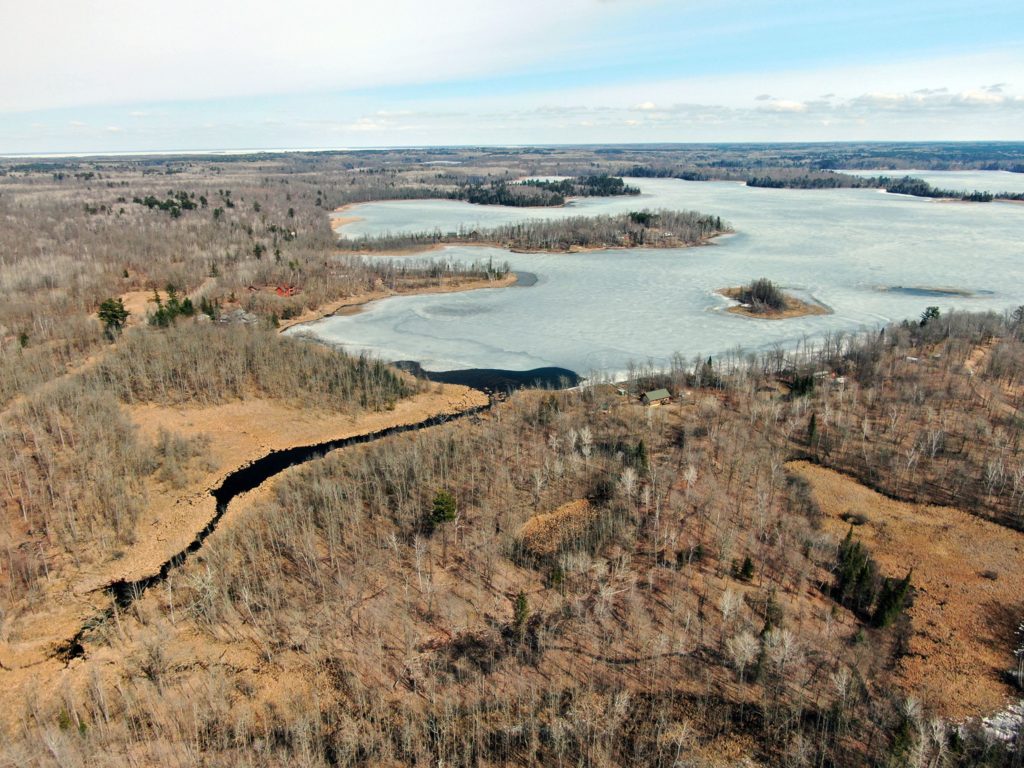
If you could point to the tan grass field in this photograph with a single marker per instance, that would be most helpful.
(969, 587)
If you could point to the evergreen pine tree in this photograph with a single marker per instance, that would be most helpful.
(113, 316)
(443, 509)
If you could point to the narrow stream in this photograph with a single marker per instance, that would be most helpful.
(247, 478)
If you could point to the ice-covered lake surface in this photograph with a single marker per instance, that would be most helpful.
(959, 181)
(864, 253)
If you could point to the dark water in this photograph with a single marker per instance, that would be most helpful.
(497, 379)
(910, 290)
(525, 279)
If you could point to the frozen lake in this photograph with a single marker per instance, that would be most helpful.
(601, 311)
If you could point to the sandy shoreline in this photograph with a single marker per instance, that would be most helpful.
(351, 305)
(338, 222)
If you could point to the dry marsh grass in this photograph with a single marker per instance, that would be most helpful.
(334, 615)
(968, 592)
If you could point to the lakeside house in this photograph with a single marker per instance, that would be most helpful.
(655, 397)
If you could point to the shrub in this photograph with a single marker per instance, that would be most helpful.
(763, 295)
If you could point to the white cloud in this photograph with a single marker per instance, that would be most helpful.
(983, 96)
(125, 51)
(365, 125)
(933, 76)
(969, 97)
(783, 105)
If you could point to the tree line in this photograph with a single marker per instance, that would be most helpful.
(658, 229)
(909, 185)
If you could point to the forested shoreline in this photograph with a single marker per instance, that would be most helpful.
(543, 192)
(637, 229)
(910, 185)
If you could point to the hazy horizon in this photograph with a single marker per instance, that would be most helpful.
(240, 151)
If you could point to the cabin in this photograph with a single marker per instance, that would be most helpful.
(655, 397)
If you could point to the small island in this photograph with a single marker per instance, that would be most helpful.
(764, 300)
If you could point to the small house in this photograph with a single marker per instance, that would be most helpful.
(655, 397)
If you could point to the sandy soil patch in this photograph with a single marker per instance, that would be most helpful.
(1002, 395)
(969, 589)
(975, 361)
(794, 307)
(139, 304)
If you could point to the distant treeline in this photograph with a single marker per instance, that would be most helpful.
(818, 180)
(658, 229)
(651, 172)
(479, 191)
(909, 185)
(542, 192)
(800, 178)
(776, 178)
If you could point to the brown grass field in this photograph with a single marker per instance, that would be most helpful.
(969, 588)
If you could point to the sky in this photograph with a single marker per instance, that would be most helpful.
(117, 76)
